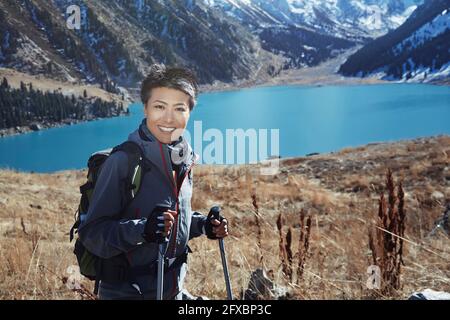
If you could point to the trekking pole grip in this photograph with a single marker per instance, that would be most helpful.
(214, 212)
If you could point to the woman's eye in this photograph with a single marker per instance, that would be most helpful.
(158, 106)
(181, 109)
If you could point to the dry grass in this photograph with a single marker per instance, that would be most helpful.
(328, 246)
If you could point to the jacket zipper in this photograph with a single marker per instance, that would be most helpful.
(188, 169)
(176, 192)
(174, 279)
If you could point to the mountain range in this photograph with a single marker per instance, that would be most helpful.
(222, 40)
(419, 50)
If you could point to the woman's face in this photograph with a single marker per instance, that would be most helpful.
(167, 113)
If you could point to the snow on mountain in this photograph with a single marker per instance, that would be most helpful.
(417, 51)
(430, 30)
(119, 39)
(253, 38)
(367, 18)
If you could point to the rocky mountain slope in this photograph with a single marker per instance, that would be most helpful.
(419, 50)
(222, 40)
(350, 19)
(119, 39)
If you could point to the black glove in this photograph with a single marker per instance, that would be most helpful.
(154, 227)
(214, 213)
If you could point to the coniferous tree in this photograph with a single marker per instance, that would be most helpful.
(4, 84)
(23, 87)
(49, 67)
(20, 107)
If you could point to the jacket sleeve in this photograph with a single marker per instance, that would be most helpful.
(197, 221)
(101, 232)
(197, 225)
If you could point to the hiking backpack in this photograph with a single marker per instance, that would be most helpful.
(137, 166)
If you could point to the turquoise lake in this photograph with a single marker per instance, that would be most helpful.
(308, 119)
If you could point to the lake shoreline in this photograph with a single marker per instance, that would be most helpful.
(45, 84)
(323, 74)
(41, 126)
(377, 145)
(18, 130)
(308, 83)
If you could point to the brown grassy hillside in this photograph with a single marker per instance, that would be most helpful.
(338, 191)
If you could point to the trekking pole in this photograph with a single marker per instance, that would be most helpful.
(215, 213)
(160, 284)
(161, 254)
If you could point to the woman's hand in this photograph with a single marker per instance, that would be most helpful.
(169, 219)
(159, 225)
(221, 228)
(215, 229)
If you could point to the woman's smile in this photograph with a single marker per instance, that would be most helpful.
(167, 112)
(166, 129)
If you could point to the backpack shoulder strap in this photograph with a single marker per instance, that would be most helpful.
(137, 165)
(132, 149)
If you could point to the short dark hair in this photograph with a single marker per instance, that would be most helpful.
(181, 79)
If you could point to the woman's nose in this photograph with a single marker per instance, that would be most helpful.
(168, 115)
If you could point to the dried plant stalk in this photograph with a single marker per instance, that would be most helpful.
(387, 247)
(303, 243)
(258, 226)
(289, 256)
(282, 246)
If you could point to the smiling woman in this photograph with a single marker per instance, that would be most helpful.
(126, 237)
(167, 113)
(168, 95)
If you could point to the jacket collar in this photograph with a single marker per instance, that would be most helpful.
(144, 132)
(159, 153)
